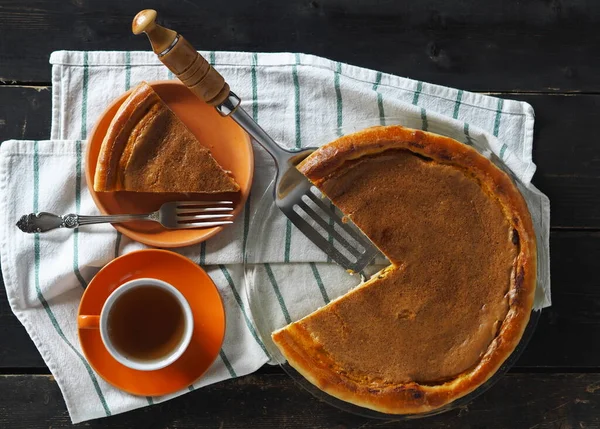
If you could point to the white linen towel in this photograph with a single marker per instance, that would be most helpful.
(300, 100)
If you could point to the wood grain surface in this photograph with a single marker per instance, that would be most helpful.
(542, 45)
(544, 52)
(531, 401)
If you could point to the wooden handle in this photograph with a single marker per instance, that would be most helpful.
(182, 59)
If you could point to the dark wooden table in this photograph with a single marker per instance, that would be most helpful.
(545, 52)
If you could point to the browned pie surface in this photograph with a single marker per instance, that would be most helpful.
(454, 304)
(454, 247)
(148, 149)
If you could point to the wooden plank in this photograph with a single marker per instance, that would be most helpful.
(534, 45)
(567, 156)
(565, 336)
(275, 401)
(17, 350)
(562, 338)
(25, 112)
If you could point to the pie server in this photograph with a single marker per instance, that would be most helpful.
(312, 214)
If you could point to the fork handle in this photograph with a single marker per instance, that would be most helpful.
(44, 221)
(90, 220)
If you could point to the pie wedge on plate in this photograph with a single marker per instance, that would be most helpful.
(453, 305)
(148, 149)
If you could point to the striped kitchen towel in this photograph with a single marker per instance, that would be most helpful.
(300, 100)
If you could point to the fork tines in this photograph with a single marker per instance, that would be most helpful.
(204, 213)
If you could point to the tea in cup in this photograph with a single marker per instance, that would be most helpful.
(146, 324)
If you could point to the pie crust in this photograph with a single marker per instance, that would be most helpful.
(441, 320)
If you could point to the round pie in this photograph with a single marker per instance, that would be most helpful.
(452, 306)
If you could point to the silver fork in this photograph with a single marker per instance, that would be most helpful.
(172, 215)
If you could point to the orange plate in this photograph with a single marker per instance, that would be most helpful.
(228, 143)
(209, 321)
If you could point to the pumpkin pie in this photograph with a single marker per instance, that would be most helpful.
(452, 306)
(148, 149)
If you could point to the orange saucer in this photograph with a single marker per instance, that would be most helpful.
(203, 297)
(227, 142)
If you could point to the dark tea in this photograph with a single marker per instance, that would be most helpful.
(146, 323)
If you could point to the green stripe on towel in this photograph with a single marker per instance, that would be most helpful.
(467, 135)
(84, 96)
(297, 102)
(338, 97)
(424, 123)
(497, 126)
(227, 364)
(238, 299)
(77, 210)
(503, 150)
(84, 102)
(379, 99)
(40, 296)
(254, 87)
(255, 117)
(498, 117)
(288, 241)
(320, 284)
(417, 93)
(127, 70)
(275, 286)
(117, 245)
(298, 145)
(457, 104)
(203, 253)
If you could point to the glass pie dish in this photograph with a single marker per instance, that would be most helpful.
(280, 292)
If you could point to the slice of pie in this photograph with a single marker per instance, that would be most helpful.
(453, 305)
(148, 149)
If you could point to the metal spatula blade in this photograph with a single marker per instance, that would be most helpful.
(312, 214)
(348, 247)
